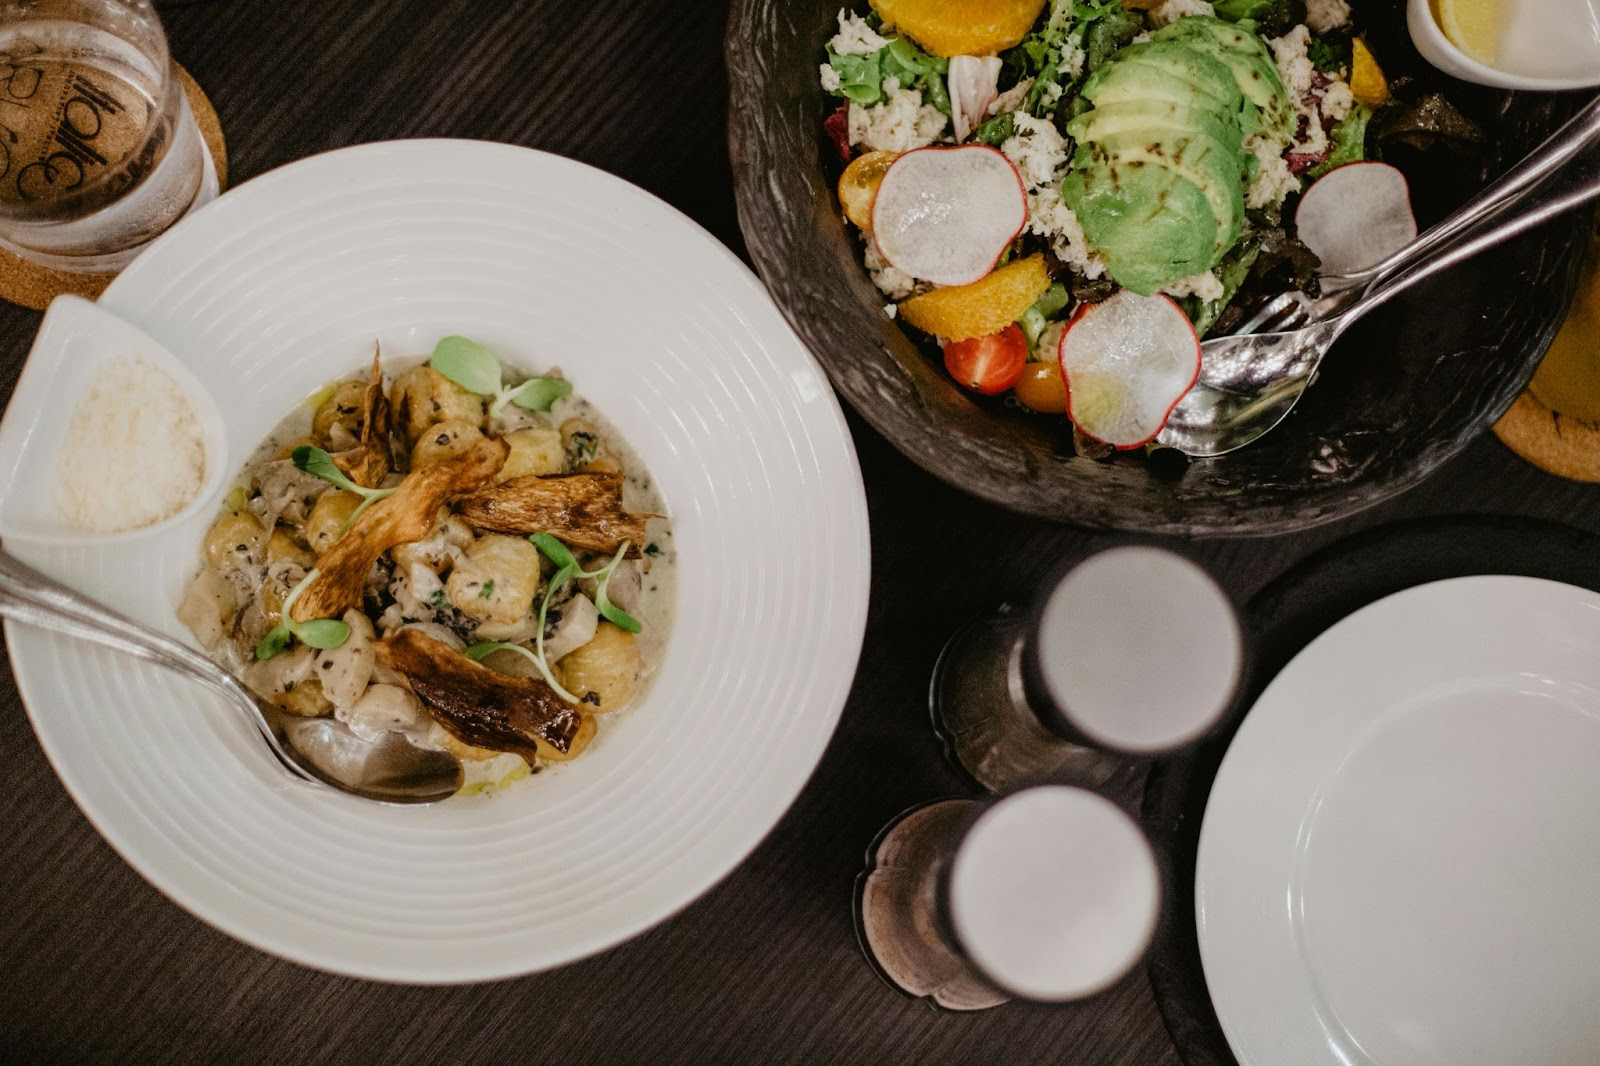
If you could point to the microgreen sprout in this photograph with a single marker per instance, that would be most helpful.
(476, 369)
(558, 553)
(319, 463)
(324, 634)
(567, 569)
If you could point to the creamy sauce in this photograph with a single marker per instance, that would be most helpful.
(658, 566)
(1550, 38)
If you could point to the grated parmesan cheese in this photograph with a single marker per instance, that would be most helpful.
(134, 454)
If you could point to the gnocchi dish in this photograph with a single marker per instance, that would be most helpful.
(448, 549)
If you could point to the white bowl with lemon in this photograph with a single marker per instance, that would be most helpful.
(1537, 45)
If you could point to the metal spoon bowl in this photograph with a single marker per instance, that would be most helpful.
(323, 751)
(1249, 382)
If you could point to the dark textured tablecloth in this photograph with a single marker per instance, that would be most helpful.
(96, 966)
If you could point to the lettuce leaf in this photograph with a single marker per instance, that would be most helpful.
(861, 78)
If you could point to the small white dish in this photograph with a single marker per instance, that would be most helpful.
(76, 337)
(1397, 862)
(1439, 50)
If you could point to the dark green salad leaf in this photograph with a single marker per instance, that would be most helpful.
(861, 78)
(1349, 141)
(1425, 122)
(1328, 57)
(1273, 18)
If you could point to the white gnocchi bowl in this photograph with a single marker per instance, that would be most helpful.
(284, 284)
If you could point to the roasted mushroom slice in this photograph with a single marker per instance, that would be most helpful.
(580, 510)
(367, 464)
(480, 707)
(406, 516)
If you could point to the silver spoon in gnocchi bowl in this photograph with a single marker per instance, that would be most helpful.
(324, 751)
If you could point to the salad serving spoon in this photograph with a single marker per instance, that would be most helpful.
(323, 751)
(1250, 381)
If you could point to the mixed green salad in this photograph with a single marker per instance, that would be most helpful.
(1017, 168)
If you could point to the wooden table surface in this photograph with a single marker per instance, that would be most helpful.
(98, 966)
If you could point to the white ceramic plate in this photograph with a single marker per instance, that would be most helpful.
(284, 284)
(1398, 863)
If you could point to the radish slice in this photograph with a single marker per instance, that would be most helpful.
(974, 83)
(1356, 216)
(1126, 363)
(946, 215)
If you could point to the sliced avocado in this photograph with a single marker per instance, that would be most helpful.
(1203, 73)
(1201, 159)
(1247, 56)
(1157, 117)
(1151, 225)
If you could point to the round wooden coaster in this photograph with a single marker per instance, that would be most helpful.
(32, 285)
(1555, 423)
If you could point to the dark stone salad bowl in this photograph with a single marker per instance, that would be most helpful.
(1401, 393)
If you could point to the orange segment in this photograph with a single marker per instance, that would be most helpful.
(858, 185)
(1367, 82)
(961, 27)
(962, 312)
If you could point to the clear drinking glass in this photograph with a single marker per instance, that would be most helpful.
(1134, 652)
(1050, 894)
(99, 153)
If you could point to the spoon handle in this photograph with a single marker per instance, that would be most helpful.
(34, 599)
(1573, 140)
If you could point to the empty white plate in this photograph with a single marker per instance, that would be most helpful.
(284, 284)
(1399, 862)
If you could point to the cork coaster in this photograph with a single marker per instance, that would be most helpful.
(32, 285)
(1555, 423)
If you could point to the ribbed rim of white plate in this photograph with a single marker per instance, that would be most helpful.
(293, 274)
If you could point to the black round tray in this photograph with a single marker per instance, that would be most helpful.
(1282, 619)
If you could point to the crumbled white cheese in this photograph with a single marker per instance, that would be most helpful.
(1274, 182)
(855, 37)
(1012, 98)
(1205, 286)
(890, 310)
(1338, 101)
(902, 122)
(829, 78)
(1141, 38)
(1049, 217)
(1074, 59)
(134, 455)
(1037, 149)
(1173, 10)
(1293, 60)
(1325, 16)
(1050, 339)
(893, 282)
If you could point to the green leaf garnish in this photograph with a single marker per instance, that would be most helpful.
(319, 463)
(324, 634)
(487, 590)
(554, 550)
(468, 364)
(539, 394)
(277, 639)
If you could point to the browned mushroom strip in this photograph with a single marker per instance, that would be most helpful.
(367, 464)
(482, 708)
(403, 518)
(581, 510)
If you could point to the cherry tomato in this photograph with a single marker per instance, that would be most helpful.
(1040, 388)
(988, 365)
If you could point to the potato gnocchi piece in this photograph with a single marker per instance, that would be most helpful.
(534, 451)
(282, 547)
(235, 541)
(326, 522)
(605, 672)
(496, 579)
(288, 681)
(343, 410)
(444, 440)
(422, 397)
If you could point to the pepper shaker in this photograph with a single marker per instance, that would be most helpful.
(1134, 652)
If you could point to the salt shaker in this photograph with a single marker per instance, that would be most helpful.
(1050, 894)
(1135, 651)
